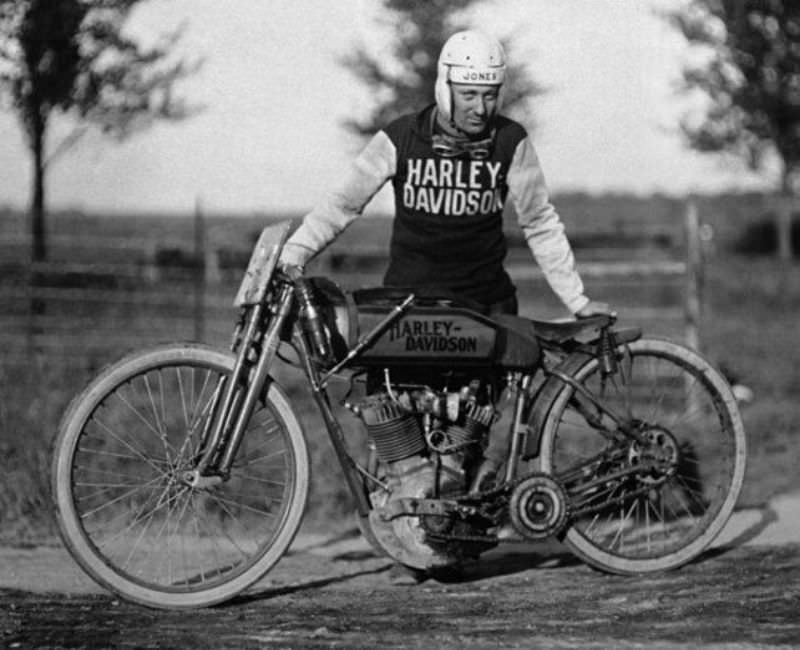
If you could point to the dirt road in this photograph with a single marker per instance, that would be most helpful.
(744, 592)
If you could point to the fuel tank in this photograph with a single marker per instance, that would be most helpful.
(438, 330)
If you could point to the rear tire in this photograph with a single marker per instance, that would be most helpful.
(124, 510)
(686, 408)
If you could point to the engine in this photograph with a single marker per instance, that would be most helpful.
(430, 440)
(434, 370)
(413, 423)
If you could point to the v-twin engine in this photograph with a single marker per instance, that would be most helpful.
(430, 444)
(411, 424)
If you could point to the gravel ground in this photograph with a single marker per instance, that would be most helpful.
(327, 593)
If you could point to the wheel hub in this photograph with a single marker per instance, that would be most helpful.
(194, 479)
(659, 451)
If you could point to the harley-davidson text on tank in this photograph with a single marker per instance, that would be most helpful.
(433, 335)
(425, 334)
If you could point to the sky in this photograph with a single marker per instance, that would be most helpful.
(274, 94)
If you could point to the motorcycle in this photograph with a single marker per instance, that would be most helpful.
(181, 472)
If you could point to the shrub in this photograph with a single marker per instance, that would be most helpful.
(761, 237)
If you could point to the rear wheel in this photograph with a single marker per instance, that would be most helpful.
(655, 504)
(127, 508)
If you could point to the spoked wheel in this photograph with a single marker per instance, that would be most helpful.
(657, 503)
(128, 507)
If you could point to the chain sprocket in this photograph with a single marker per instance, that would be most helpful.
(539, 507)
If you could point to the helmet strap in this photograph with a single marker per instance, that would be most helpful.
(452, 107)
(448, 123)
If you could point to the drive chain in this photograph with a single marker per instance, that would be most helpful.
(507, 489)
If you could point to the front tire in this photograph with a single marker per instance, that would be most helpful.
(688, 414)
(124, 508)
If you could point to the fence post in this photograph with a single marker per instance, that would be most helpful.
(199, 272)
(34, 307)
(694, 273)
(784, 226)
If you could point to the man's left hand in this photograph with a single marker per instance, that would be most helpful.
(594, 308)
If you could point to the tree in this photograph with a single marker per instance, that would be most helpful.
(751, 79)
(404, 82)
(73, 57)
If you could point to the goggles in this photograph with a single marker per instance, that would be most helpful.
(449, 147)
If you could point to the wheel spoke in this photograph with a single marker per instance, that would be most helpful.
(121, 497)
(138, 517)
(259, 479)
(137, 453)
(158, 419)
(259, 459)
(224, 502)
(188, 441)
(227, 535)
(138, 414)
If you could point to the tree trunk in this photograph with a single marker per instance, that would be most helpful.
(38, 234)
(36, 134)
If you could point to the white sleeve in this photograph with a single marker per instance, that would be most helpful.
(542, 227)
(371, 169)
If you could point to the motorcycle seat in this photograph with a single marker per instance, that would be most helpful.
(559, 331)
(424, 296)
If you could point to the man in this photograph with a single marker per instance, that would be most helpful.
(453, 166)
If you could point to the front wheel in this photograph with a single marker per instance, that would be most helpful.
(654, 504)
(126, 507)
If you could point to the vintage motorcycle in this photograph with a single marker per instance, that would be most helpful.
(180, 474)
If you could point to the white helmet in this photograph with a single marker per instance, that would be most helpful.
(468, 57)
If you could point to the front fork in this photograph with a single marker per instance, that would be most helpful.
(239, 393)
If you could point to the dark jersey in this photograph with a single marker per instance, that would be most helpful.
(448, 226)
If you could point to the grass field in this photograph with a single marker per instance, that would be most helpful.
(748, 326)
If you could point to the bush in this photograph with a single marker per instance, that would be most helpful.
(177, 258)
(34, 396)
(761, 237)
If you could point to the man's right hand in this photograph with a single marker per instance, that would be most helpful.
(294, 271)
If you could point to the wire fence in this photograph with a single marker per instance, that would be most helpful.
(109, 294)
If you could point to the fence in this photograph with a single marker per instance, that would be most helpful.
(627, 280)
(103, 295)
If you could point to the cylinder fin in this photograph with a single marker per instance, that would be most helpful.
(397, 434)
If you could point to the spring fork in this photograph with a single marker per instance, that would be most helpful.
(242, 391)
(223, 413)
(256, 384)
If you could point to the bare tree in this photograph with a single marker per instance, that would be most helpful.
(751, 79)
(404, 82)
(73, 57)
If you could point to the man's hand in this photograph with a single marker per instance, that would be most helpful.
(593, 308)
(294, 271)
